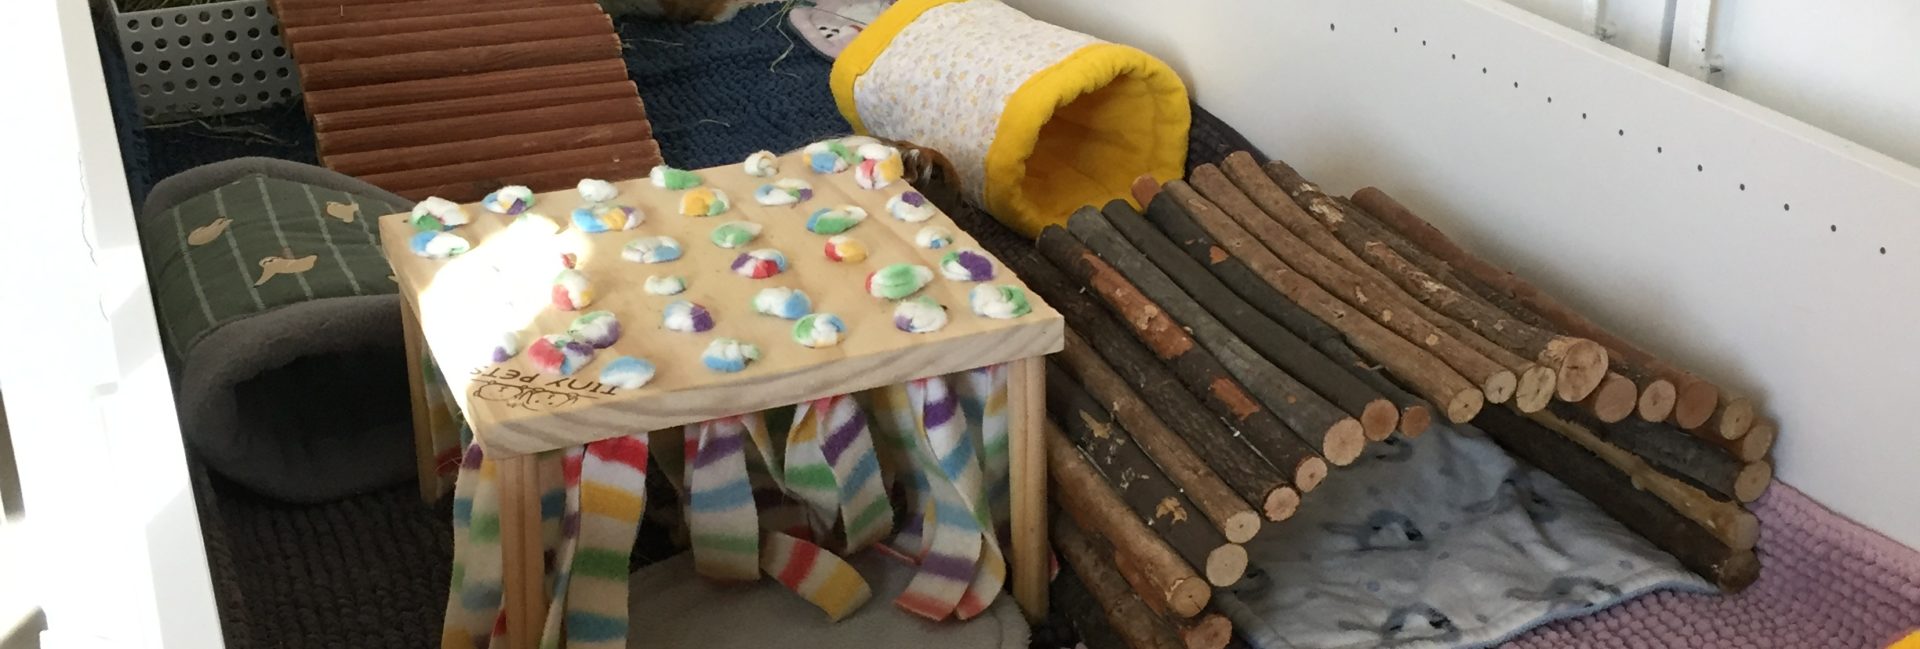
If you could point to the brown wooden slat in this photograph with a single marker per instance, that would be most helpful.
(455, 129)
(623, 168)
(457, 62)
(466, 106)
(307, 53)
(297, 36)
(487, 148)
(297, 17)
(509, 170)
(320, 102)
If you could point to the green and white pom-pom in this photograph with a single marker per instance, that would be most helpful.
(897, 281)
(835, 220)
(598, 328)
(816, 330)
(830, 156)
(434, 244)
(666, 284)
(933, 237)
(666, 177)
(437, 213)
(761, 164)
(729, 355)
(999, 301)
(511, 199)
(785, 191)
(594, 190)
(919, 315)
(735, 234)
(627, 373)
(704, 201)
(651, 250)
(782, 302)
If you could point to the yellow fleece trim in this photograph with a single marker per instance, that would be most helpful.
(1080, 131)
(865, 48)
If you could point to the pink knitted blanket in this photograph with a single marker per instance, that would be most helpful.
(1825, 582)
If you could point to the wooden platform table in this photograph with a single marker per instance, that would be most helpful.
(456, 308)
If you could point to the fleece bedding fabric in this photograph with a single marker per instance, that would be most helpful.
(1439, 541)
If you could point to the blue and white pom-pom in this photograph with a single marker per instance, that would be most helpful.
(437, 213)
(830, 156)
(933, 237)
(651, 250)
(511, 199)
(665, 284)
(911, 207)
(627, 373)
(817, 330)
(594, 190)
(999, 301)
(601, 217)
(919, 315)
(782, 302)
(434, 244)
(729, 355)
(598, 328)
(785, 191)
(761, 164)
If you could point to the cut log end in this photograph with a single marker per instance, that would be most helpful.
(1737, 572)
(1581, 366)
(1657, 398)
(1343, 442)
(1187, 597)
(1281, 504)
(1144, 189)
(1241, 526)
(1614, 400)
(1465, 405)
(1742, 530)
(1226, 564)
(1536, 388)
(1309, 473)
(1752, 481)
(1499, 386)
(1378, 419)
(1735, 418)
(1758, 441)
(1210, 631)
(1415, 420)
(1694, 403)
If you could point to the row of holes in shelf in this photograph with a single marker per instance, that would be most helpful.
(206, 17)
(1658, 149)
(161, 44)
(211, 59)
(214, 81)
(241, 99)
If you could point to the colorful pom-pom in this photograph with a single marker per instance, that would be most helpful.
(835, 220)
(572, 291)
(686, 317)
(434, 244)
(627, 373)
(559, 354)
(933, 237)
(735, 234)
(594, 190)
(511, 199)
(846, 248)
(819, 330)
(854, 142)
(601, 217)
(879, 166)
(911, 207)
(999, 301)
(919, 315)
(829, 156)
(760, 264)
(729, 355)
(437, 213)
(651, 250)
(761, 164)
(598, 328)
(704, 201)
(967, 266)
(506, 346)
(666, 284)
(535, 222)
(897, 281)
(785, 191)
(782, 302)
(666, 177)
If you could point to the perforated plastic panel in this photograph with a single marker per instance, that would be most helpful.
(205, 60)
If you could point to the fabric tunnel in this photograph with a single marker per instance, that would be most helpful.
(1038, 119)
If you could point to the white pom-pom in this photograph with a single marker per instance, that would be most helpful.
(761, 164)
(666, 284)
(594, 190)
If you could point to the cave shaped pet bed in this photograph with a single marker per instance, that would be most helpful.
(1039, 119)
(282, 326)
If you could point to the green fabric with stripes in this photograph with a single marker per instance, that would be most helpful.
(204, 276)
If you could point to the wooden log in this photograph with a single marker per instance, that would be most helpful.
(1085, 496)
(1674, 452)
(478, 59)
(1274, 216)
(1371, 295)
(337, 15)
(1146, 490)
(493, 125)
(1414, 414)
(465, 36)
(1144, 189)
(1294, 356)
(1731, 419)
(296, 36)
(1198, 369)
(1331, 432)
(554, 179)
(1612, 489)
(1694, 398)
(1753, 446)
(1230, 514)
(366, 163)
(326, 123)
(507, 170)
(1614, 400)
(464, 88)
(1128, 616)
(1086, 616)
(1208, 630)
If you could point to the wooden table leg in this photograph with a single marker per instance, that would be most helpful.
(1027, 466)
(523, 583)
(423, 445)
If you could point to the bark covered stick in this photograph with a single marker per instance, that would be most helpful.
(1609, 487)
(1753, 446)
(1296, 357)
(1694, 398)
(1415, 415)
(1085, 496)
(1199, 370)
(1731, 419)
(1140, 484)
(1230, 513)
(1126, 613)
(1676, 453)
(1208, 630)
(1458, 398)
(1372, 296)
(1273, 214)
(1331, 432)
